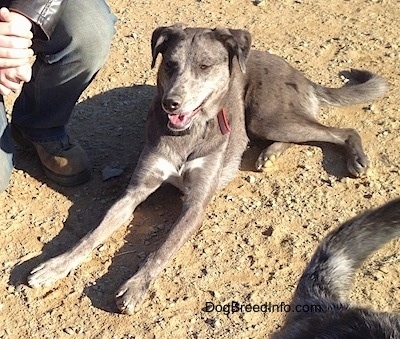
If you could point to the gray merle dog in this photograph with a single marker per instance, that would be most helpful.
(326, 282)
(212, 93)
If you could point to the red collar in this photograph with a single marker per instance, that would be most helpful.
(223, 122)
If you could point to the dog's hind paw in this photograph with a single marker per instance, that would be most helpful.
(269, 155)
(49, 272)
(357, 165)
(130, 295)
(264, 162)
(357, 161)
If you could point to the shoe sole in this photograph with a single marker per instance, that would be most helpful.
(62, 180)
(70, 180)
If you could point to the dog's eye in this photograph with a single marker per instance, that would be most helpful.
(203, 66)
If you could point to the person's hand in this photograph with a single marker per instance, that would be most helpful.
(15, 52)
(11, 78)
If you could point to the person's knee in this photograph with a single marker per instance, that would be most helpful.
(96, 46)
(93, 45)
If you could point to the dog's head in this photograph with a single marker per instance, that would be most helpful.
(196, 69)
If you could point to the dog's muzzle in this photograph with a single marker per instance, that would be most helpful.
(181, 121)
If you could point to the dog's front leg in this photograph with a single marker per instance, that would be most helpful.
(199, 187)
(148, 176)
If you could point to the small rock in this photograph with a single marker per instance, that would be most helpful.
(268, 232)
(102, 248)
(69, 330)
(251, 179)
(141, 255)
(229, 198)
(111, 172)
(133, 35)
(215, 294)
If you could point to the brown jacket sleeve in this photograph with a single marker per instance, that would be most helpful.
(44, 13)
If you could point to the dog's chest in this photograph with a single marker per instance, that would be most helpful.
(174, 175)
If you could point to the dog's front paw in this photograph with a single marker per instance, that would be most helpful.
(49, 272)
(358, 165)
(131, 294)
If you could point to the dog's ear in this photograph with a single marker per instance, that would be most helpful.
(161, 36)
(237, 42)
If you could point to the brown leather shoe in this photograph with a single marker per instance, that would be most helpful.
(63, 161)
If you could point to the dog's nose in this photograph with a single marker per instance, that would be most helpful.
(172, 104)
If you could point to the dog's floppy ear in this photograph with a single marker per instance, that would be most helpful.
(238, 43)
(161, 36)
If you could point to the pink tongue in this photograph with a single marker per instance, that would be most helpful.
(177, 119)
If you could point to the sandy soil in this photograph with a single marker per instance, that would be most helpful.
(258, 232)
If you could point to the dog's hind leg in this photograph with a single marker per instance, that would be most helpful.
(200, 184)
(303, 130)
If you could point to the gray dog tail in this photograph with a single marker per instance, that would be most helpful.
(330, 272)
(363, 86)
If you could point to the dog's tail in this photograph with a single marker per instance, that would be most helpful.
(330, 272)
(363, 86)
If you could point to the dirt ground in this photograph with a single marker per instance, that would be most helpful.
(258, 232)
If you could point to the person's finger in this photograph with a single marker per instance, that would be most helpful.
(10, 29)
(13, 85)
(7, 63)
(23, 73)
(15, 74)
(4, 90)
(4, 14)
(14, 42)
(15, 53)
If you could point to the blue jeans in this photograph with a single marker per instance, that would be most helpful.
(6, 149)
(64, 66)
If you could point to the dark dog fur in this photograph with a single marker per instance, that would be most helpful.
(210, 88)
(327, 279)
